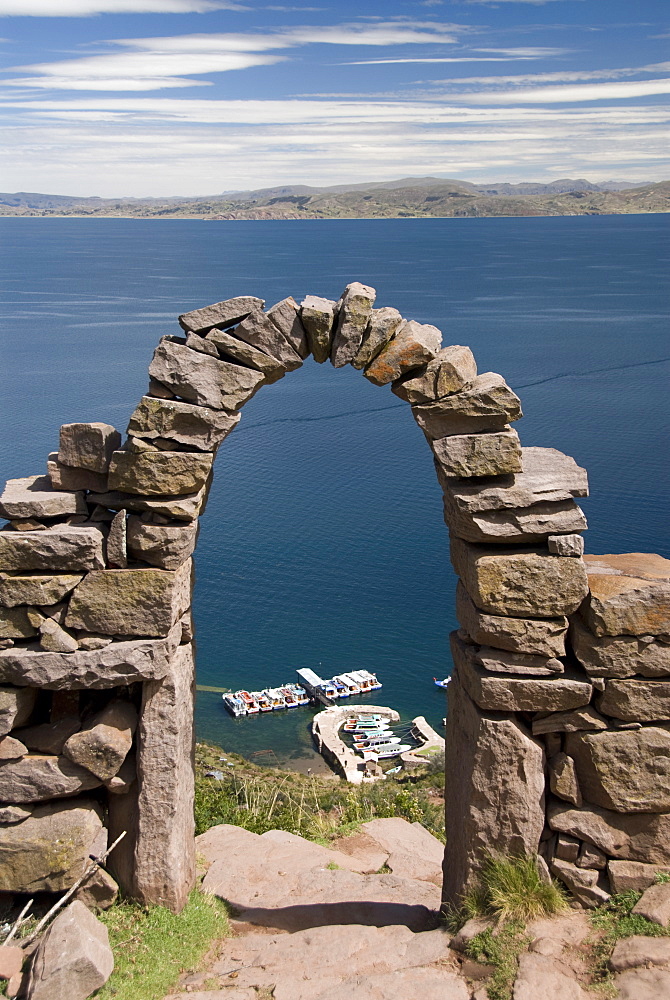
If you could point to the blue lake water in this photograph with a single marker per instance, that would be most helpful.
(323, 543)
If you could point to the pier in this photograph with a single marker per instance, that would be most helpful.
(325, 730)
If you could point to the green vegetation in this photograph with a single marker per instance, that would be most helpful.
(152, 946)
(511, 889)
(501, 949)
(318, 808)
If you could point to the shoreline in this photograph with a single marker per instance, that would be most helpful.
(353, 218)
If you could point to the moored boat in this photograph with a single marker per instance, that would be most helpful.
(250, 702)
(290, 700)
(234, 705)
(374, 741)
(383, 750)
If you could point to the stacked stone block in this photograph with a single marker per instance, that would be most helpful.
(553, 737)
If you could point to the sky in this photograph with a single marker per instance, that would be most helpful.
(139, 98)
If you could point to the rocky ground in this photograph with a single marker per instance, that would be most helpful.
(359, 921)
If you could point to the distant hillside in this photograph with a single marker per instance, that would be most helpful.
(410, 197)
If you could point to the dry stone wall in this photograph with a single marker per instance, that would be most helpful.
(558, 741)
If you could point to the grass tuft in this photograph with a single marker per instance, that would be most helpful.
(511, 889)
(152, 946)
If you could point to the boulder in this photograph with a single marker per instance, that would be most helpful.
(144, 602)
(548, 476)
(15, 624)
(16, 706)
(626, 771)
(36, 778)
(259, 331)
(541, 977)
(318, 318)
(103, 744)
(635, 875)
(501, 661)
(88, 446)
(35, 588)
(186, 508)
(569, 722)
(54, 639)
(654, 904)
(542, 637)
(50, 737)
(487, 404)
(194, 426)
(520, 525)
(452, 369)
(223, 314)
(619, 655)
(468, 455)
(117, 547)
(632, 837)
(99, 891)
(519, 581)
(567, 545)
(354, 310)
(164, 545)
(228, 345)
(636, 700)
(286, 317)
(640, 950)
(66, 477)
(33, 496)
(582, 883)
(159, 473)
(495, 792)
(563, 779)
(117, 664)
(201, 379)
(629, 594)
(11, 748)
(73, 959)
(414, 345)
(382, 326)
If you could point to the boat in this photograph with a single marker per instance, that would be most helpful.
(301, 695)
(348, 683)
(341, 688)
(364, 734)
(371, 679)
(375, 741)
(276, 698)
(264, 702)
(363, 678)
(250, 702)
(394, 770)
(443, 683)
(384, 750)
(234, 705)
(290, 700)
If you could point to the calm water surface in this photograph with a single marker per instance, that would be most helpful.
(323, 544)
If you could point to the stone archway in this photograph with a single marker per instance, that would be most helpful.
(96, 632)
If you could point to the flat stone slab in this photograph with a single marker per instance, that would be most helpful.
(636, 837)
(619, 655)
(62, 547)
(201, 379)
(640, 950)
(486, 404)
(643, 984)
(636, 875)
(73, 959)
(166, 546)
(43, 589)
(539, 636)
(33, 496)
(223, 314)
(88, 446)
(186, 508)
(629, 594)
(412, 851)
(473, 455)
(636, 700)
(627, 771)
(173, 420)
(159, 473)
(541, 977)
(518, 524)
(654, 904)
(37, 778)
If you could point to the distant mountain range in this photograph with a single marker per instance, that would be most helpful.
(408, 197)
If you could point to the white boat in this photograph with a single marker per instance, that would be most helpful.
(383, 750)
(443, 683)
(234, 705)
(349, 684)
(375, 741)
(364, 734)
(249, 701)
(275, 697)
(290, 700)
(300, 693)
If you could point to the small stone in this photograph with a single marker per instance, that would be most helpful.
(28, 524)
(635, 875)
(50, 737)
(468, 455)
(470, 929)
(640, 950)
(415, 344)
(55, 639)
(566, 545)
(259, 331)
(382, 326)
(11, 960)
(354, 311)
(34, 497)
(73, 959)
(582, 883)
(100, 514)
(144, 602)
(569, 722)
(202, 344)
(15, 624)
(13, 814)
(654, 904)
(619, 655)
(286, 317)
(11, 748)
(186, 508)
(591, 857)
(35, 588)
(228, 345)
(16, 705)
(98, 892)
(487, 404)
(519, 581)
(194, 426)
(452, 369)
(117, 552)
(201, 379)
(567, 848)
(136, 444)
(121, 782)
(318, 318)
(636, 700)
(629, 594)
(164, 546)
(563, 782)
(513, 526)
(159, 390)
(104, 743)
(223, 314)
(65, 477)
(89, 641)
(543, 637)
(36, 778)
(88, 446)
(159, 473)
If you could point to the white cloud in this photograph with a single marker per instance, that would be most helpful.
(578, 93)
(561, 76)
(88, 8)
